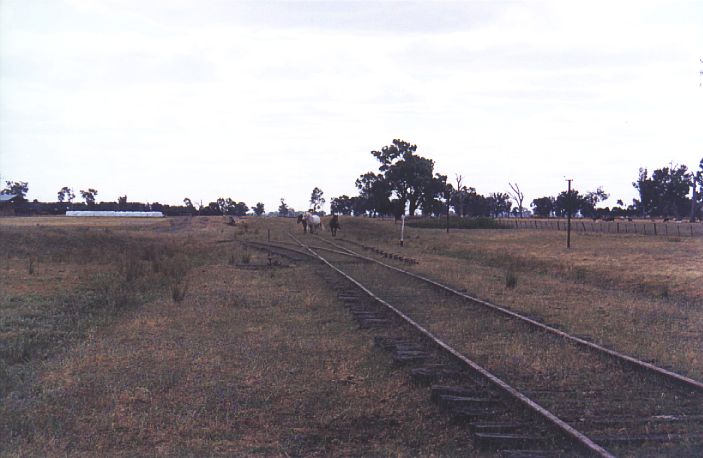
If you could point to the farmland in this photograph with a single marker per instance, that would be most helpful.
(129, 337)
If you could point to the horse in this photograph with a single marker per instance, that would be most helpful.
(334, 225)
(308, 219)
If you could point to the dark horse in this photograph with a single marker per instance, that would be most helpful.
(334, 225)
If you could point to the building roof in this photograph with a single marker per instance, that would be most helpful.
(7, 197)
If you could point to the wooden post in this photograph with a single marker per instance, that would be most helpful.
(655, 228)
(678, 230)
(402, 229)
(558, 226)
(269, 234)
(617, 227)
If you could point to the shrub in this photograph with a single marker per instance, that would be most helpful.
(179, 290)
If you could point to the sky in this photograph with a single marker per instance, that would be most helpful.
(264, 100)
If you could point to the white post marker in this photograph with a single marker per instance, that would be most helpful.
(402, 228)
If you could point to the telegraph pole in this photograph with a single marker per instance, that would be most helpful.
(447, 195)
(568, 214)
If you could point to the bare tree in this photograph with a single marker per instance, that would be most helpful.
(517, 195)
(460, 192)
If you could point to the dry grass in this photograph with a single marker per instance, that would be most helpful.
(249, 362)
(641, 295)
(166, 337)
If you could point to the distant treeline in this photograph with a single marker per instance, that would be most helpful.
(25, 208)
(406, 183)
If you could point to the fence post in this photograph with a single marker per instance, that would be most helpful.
(617, 227)
(666, 229)
(691, 227)
(655, 228)
(558, 225)
(678, 230)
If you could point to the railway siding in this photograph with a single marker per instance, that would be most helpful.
(623, 408)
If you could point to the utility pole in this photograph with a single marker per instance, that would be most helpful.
(568, 214)
(447, 196)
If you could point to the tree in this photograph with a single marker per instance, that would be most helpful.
(342, 205)
(89, 196)
(518, 196)
(316, 199)
(568, 202)
(188, 203)
(66, 193)
(17, 188)
(259, 209)
(435, 195)
(222, 205)
(122, 202)
(410, 177)
(499, 204)
(697, 193)
(239, 209)
(459, 192)
(647, 191)
(469, 203)
(587, 204)
(665, 193)
(543, 206)
(283, 209)
(374, 194)
(672, 184)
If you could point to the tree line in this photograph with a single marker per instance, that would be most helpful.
(66, 200)
(407, 183)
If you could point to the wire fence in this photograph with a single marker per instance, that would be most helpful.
(642, 227)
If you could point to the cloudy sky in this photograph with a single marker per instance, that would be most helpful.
(260, 100)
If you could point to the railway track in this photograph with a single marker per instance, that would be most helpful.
(529, 386)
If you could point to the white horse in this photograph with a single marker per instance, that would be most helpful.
(309, 220)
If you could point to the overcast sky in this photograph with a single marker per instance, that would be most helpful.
(260, 100)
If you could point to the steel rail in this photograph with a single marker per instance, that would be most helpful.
(544, 327)
(578, 437)
(283, 246)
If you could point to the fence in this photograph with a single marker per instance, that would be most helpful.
(642, 227)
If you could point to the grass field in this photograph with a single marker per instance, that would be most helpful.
(167, 337)
(99, 356)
